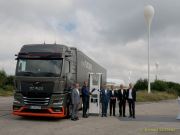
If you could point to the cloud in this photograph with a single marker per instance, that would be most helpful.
(113, 33)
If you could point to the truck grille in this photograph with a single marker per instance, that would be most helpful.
(36, 101)
(37, 89)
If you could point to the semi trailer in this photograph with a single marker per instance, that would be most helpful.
(44, 76)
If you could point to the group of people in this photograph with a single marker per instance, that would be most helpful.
(122, 96)
(107, 97)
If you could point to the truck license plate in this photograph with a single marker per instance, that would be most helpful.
(35, 107)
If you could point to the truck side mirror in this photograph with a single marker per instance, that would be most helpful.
(68, 55)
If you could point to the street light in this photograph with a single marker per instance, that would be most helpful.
(148, 14)
(157, 66)
(129, 77)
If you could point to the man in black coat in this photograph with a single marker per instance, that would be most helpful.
(85, 98)
(113, 97)
(131, 95)
(122, 96)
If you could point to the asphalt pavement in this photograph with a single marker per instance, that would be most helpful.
(153, 118)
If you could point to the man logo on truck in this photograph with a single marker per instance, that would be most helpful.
(39, 88)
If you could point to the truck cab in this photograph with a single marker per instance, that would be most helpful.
(43, 80)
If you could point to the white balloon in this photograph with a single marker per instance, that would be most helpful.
(149, 13)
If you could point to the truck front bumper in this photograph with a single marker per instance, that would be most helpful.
(49, 112)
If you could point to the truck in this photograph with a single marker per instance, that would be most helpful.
(44, 76)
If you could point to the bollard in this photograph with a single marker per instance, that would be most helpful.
(178, 117)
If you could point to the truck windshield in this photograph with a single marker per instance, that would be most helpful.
(33, 67)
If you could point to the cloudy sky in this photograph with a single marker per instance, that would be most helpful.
(112, 32)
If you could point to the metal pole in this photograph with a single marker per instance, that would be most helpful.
(149, 13)
(149, 85)
(156, 71)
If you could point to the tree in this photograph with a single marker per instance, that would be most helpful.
(2, 78)
(159, 85)
(9, 80)
(141, 84)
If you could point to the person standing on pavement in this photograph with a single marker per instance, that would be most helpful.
(104, 97)
(122, 97)
(113, 97)
(75, 100)
(85, 98)
(131, 95)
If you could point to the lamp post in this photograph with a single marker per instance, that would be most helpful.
(148, 14)
(129, 76)
(157, 66)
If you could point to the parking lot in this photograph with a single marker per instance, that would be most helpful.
(150, 117)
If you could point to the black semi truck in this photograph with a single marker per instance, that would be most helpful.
(45, 74)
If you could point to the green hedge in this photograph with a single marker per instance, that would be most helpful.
(141, 84)
(159, 85)
(6, 81)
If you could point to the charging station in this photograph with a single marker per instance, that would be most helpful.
(95, 84)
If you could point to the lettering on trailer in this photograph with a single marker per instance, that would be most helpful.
(87, 65)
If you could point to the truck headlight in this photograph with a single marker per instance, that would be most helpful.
(16, 101)
(58, 101)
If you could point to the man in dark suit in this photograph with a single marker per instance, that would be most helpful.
(113, 96)
(104, 95)
(122, 96)
(85, 98)
(75, 100)
(131, 95)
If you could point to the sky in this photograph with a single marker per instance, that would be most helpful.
(111, 32)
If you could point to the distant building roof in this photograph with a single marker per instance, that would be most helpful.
(115, 82)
